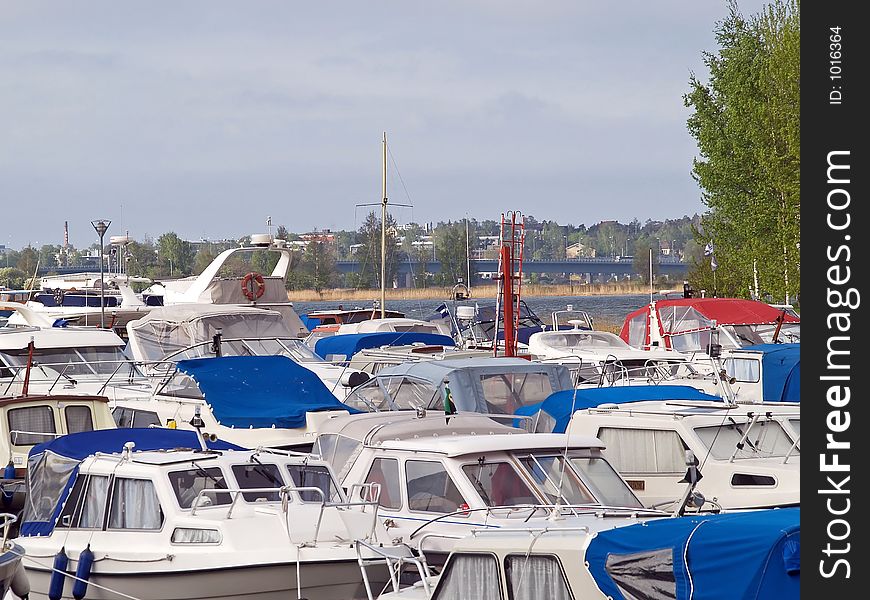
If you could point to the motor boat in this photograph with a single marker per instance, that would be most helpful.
(165, 514)
(491, 385)
(64, 359)
(195, 330)
(441, 477)
(253, 401)
(215, 285)
(687, 324)
(744, 555)
(748, 454)
(13, 580)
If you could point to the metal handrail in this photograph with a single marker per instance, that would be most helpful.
(394, 567)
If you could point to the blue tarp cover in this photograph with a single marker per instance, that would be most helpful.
(781, 371)
(561, 405)
(751, 555)
(81, 445)
(78, 446)
(349, 344)
(260, 391)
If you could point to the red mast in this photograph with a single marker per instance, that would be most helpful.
(510, 260)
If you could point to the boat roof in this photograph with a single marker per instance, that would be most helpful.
(52, 399)
(191, 311)
(437, 370)
(455, 435)
(260, 391)
(726, 311)
(347, 345)
(47, 337)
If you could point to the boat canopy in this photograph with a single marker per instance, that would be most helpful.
(344, 346)
(781, 368)
(260, 391)
(733, 556)
(52, 467)
(170, 329)
(561, 405)
(484, 385)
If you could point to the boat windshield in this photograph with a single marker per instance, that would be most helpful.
(499, 484)
(290, 347)
(81, 361)
(766, 439)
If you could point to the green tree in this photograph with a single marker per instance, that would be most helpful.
(746, 121)
(175, 256)
(28, 258)
(318, 265)
(12, 278)
(451, 252)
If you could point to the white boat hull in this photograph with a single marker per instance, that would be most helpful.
(339, 580)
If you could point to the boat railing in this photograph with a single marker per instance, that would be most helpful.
(396, 563)
(14, 433)
(6, 522)
(295, 347)
(795, 446)
(62, 369)
(285, 499)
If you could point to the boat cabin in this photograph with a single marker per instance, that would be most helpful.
(748, 454)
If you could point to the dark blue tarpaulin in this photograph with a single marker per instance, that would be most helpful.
(260, 391)
(781, 371)
(753, 555)
(561, 405)
(81, 445)
(347, 345)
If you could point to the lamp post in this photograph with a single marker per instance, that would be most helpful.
(101, 226)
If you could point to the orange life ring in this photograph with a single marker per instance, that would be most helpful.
(253, 286)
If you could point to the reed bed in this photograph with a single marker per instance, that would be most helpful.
(483, 291)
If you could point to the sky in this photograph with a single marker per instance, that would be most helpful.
(208, 117)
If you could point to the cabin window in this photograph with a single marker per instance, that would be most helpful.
(765, 439)
(796, 425)
(535, 576)
(145, 418)
(469, 576)
(385, 472)
(123, 417)
(644, 451)
(314, 476)
(556, 479)
(647, 575)
(259, 476)
(78, 418)
(188, 485)
(47, 477)
(745, 370)
(409, 393)
(31, 425)
(85, 507)
(499, 484)
(430, 487)
(506, 392)
(637, 331)
(605, 482)
(134, 505)
(369, 396)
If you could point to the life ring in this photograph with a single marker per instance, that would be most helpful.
(253, 286)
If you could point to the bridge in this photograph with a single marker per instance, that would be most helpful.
(598, 269)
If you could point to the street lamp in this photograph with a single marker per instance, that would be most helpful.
(101, 226)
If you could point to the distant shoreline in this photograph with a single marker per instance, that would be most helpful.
(484, 291)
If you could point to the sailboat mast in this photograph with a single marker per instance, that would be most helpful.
(384, 237)
(467, 257)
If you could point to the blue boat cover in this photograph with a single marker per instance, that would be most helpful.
(781, 371)
(561, 405)
(260, 391)
(59, 474)
(81, 445)
(349, 344)
(309, 322)
(752, 555)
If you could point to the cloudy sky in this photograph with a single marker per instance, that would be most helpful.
(205, 117)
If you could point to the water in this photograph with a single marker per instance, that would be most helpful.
(607, 311)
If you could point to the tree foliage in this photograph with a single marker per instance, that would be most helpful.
(746, 121)
(369, 252)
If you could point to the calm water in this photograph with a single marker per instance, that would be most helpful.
(604, 309)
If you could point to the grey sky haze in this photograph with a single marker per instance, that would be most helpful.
(205, 117)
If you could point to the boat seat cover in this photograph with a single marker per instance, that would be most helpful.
(349, 344)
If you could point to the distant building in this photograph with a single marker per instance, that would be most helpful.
(579, 250)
